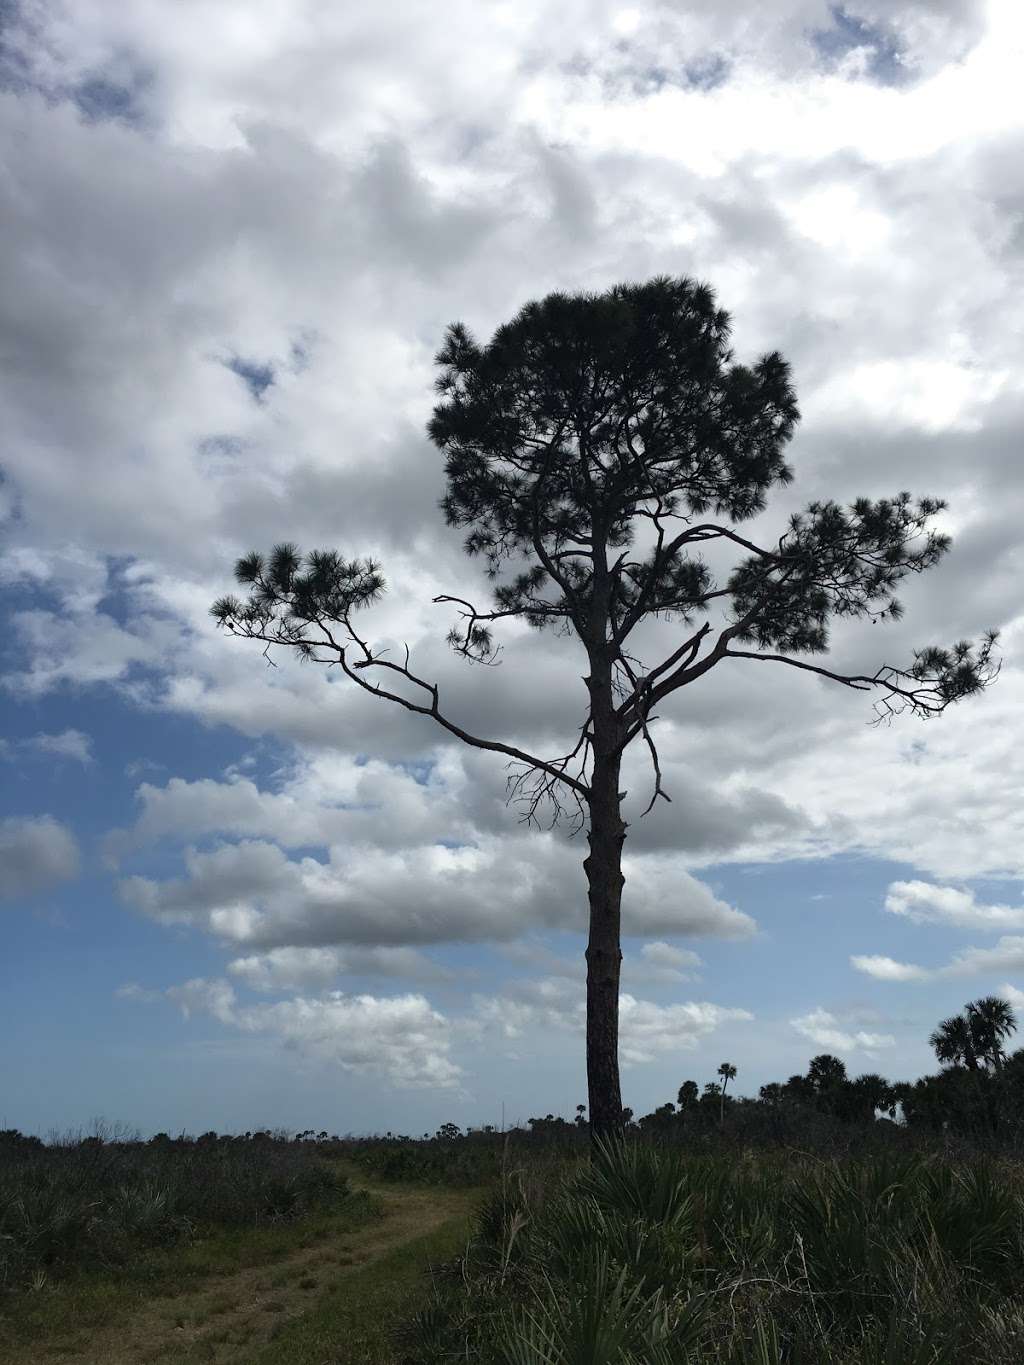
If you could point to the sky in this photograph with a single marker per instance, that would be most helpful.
(236, 895)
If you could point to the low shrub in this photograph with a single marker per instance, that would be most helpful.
(93, 1201)
(649, 1254)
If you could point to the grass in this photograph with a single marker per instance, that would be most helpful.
(98, 1202)
(179, 1286)
(356, 1321)
(330, 1286)
(651, 1255)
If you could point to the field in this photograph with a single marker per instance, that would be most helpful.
(522, 1250)
(234, 1251)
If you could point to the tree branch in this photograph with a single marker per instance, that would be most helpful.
(354, 670)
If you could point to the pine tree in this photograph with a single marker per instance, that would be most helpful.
(590, 422)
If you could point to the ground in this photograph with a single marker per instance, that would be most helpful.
(325, 1293)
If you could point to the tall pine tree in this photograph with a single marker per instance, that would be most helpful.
(590, 425)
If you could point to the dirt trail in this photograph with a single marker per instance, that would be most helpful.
(231, 1317)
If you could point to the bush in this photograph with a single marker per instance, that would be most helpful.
(93, 1201)
(649, 1254)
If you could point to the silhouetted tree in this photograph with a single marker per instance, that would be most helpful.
(585, 420)
(991, 1021)
(826, 1072)
(727, 1072)
(689, 1094)
(954, 1042)
(859, 1100)
(976, 1037)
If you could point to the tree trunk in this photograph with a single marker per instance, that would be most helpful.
(603, 867)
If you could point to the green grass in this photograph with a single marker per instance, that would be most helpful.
(63, 1316)
(355, 1322)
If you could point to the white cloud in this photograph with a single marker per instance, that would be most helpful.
(306, 195)
(1007, 955)
(665, 955)
(887, 968)
(646, 1029)
(318, 968)
(661, 962)
(36, 852)
(251, 893)
(1012, 994)
(200, 996)
(925, 903)
(401, 1037)
(826, 1031)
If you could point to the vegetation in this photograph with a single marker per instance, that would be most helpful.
(589, 422)
(648, 1254)
(95, 1202)
(831, 1220)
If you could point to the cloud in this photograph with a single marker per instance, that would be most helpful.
(1007, 955)
(888, 969)
(1012, 994)
(131, 990)
(646, 1029)
(826, 1031)
(401, 1037)
(36, 852)
(926, 903)
(71, 744)
(318, 968)
(664, 963)
(251, 893)
(231, 252)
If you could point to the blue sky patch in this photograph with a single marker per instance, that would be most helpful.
(256, 375)
(848, 32)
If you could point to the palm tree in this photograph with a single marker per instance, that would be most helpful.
(727, 1072)
(826, 1072)
(954, 1042)
(991, 1020)
(870, 1093)
(688, 1095)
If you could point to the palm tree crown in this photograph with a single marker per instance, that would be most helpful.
(976, 1037)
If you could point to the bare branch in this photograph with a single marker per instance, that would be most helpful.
(639, 692)
(355, 670)
(946, 677)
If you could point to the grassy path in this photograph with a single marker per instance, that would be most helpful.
(330, 1298)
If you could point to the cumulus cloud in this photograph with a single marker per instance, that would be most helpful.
(401, 1037)
(1012, 994)
(36, 853)
(267, 217)
(317, 968)
(646, 1029)
(826, 1031)
(665, 963)
(251, 892)
(1007, 955)
(926, 903)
